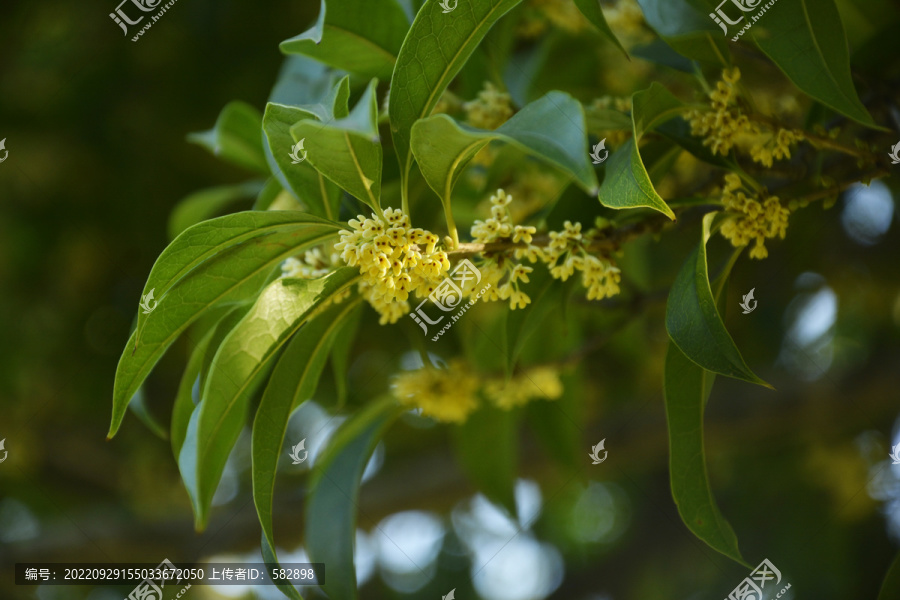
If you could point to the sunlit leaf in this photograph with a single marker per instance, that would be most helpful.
(243, 358)
(214, 263)
(348, 151)
(435, 49)
(359, 36)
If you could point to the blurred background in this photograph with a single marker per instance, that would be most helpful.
(95, 126)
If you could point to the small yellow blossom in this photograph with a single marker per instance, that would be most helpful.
(754, 221)
(395, 260)
(448, 395)
(313, 265)
(540, 382)
(490, 110)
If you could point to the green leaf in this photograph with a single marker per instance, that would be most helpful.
(890, 587)
(806, 39)
(293, 381)
(552, 127)
(627, 183)
(340, 354)
(308, 185)
(591, 10)
(204, 204)
(332, 503)
(184, 397)
(674, 18)
(283, 584)
(687, 388)
(217, 262)
(435, 49)
(348, 151)
(269, 194)
(138, 406)
(359, 36)
(236, 137)
(694, 324)
(486, 446)
(556, 425)
(242, 359)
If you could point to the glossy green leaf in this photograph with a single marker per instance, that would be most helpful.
(487, 446)
(694, 323)
(627, 183)
(552, 128)
(185, 396)
(236, 137)
(687, 387)
(216, 262)
(283, 584)
(435, 49)
(340, 353)
(332, 504)
(806, 39)
(207, 203)
(138, 407)
(244, 356)
(348, 151)
(358, 36)
(592, 11)
(293, 381)
(321, 196)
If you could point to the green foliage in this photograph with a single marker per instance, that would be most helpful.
(253, 332)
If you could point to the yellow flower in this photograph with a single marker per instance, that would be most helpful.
(490, 110)
(447, 395)
(540, 382)
(752, 221)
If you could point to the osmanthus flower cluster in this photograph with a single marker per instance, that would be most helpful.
(568, 251)
(395, 260)
(451, 394)
(726, 126)
(753, 219)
